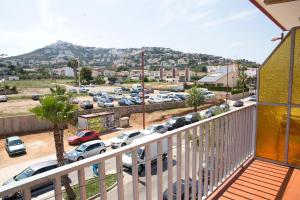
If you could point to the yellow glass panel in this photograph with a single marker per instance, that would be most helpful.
(271, 132)
(296, 76)
(294, 138)
(274, 75)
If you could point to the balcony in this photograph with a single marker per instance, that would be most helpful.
(204, 155)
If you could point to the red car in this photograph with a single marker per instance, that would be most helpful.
(83, 136)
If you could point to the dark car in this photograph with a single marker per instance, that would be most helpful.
(83, 136)
(96, 98)
(136, 100)
(35, 97)
(191, 118)
(35, 169)
(175, 122)
(238, 103)
(134, 94)
(174, 196)
(86, 105)
(125, 102)
(180, 96)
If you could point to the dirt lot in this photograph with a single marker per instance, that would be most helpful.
(42, 144)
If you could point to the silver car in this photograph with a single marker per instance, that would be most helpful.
(14, 145)
(125, 138)
(86, 150)
(105, 103)
(3, 98)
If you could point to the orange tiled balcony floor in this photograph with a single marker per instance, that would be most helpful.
(263, 180)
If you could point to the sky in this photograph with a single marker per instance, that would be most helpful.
(232, 28)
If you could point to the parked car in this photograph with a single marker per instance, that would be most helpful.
(14, 145)
(117, 97)
(125, 138)
(83, 136)
(105, 103)
(134, 94)
(146, 96)
(96, 98)
(83, 90)
(154, 100)
(99, 93)
(74, 101)
(118, 90)
(155, 128)
(175, 190)
(252, 98)
(73, 91)
(206, 114)
(86, 105)
(35, 97)
(3, 98)
(191, 118)
(136, 100)
(181, 96)
(125, 102)
(31, 171)
(225, 107)
(238, 103)
(175, 122)
(164, 98)
(85, 150)
(141, 158)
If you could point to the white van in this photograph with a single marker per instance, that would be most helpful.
(127, 159)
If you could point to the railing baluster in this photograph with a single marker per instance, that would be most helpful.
(227, 147)
(148, 172)
(159, 170)
(222, 140)
(102, 186)
(170, 167)
(206, 159)
(235, 139)
(187, 165)
(211, 155)
(240, 147)
(57, 188)
(194, 170)
(179, 165)
(27, 194)
(135, 176)
(82, 183)
(200, 179)
(230, 144)
(120, 177)
(217, 141)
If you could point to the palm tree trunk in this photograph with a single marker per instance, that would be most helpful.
(195, 109)
(59, 147)
(75, 75)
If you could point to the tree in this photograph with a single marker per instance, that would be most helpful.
(56, 109)
(243, 78)
(74, 64)
(204, 69)
(112, 79)
(195, 98)
(99, 80)
(86, 75)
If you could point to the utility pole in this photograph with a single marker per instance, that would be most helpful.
(227, 81)
(143, 89)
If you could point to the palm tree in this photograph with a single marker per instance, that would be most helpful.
(56, 109)
(195, 98)
(74, 64)
(243, 77)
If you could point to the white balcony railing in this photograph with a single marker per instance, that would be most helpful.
(206, 153)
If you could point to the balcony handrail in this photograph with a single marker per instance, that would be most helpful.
(63, 170)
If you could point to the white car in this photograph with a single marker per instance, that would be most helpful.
(125, 138)
(154, 100)
(164, 98)
(3, 98)
(85, 150)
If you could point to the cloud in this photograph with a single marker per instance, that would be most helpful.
(247, 14)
